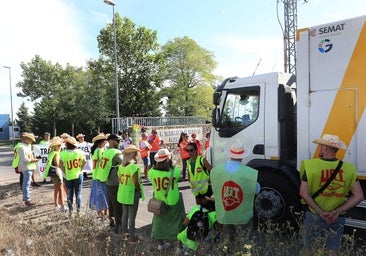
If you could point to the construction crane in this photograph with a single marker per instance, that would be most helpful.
(289, 34)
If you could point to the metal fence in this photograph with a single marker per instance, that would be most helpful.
(123, 123)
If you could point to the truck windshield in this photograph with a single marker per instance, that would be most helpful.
(241, 107)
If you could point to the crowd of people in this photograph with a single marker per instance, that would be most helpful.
(224, 193)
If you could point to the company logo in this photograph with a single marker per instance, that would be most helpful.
(325, 46)
(327, 30)
(232, 195)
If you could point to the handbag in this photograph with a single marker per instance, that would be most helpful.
(52, 171)
(157, 206)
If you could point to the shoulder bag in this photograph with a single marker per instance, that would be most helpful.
(157, 206)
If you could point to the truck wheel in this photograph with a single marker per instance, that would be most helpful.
(277, 201)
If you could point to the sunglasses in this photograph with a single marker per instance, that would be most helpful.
(190, 150)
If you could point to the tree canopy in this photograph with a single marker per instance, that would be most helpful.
(66, 98)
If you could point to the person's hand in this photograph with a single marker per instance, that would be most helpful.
(332, 217)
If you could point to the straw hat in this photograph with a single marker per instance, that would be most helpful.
(162, 155)
(80, 135)
(130, 149)
(29, 136)
(65, 135)
(56, 141)
(331, 140)
(100, 136)
(71, 140)
(237, 151)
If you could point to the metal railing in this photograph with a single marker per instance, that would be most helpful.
(123, 123)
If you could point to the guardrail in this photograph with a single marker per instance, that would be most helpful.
(123, 123)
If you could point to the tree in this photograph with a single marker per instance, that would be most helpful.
(188, 67)
(24, 119)
(138, 63)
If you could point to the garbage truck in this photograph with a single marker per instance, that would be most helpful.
(276, 116)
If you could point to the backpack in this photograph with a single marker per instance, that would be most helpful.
(198, 226)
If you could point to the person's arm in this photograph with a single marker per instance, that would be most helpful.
(135, 180)
(355, 197)
(304, 193)
(207, 165)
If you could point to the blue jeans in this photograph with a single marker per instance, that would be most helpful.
(27, 176)
(315, 229)
(74, 187)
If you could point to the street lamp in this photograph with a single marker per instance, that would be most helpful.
(112, 3)
(11, 104)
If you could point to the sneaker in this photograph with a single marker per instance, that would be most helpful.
(133, 239)
(162, 247)
(57, 208)
(65, 208)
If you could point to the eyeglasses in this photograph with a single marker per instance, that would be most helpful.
(190, 150)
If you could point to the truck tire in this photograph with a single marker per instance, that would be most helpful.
(278, 200)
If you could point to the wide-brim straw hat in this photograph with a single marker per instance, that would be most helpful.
(71, 140)
(100, 136)
(29, 136)
(65, 135)
(56, 141)
(162, 155)
(80, 135)
(331, 140)
(131, 149)
(237, 151)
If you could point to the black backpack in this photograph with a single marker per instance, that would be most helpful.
(198, 226)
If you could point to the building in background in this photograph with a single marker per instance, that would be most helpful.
(6, 131)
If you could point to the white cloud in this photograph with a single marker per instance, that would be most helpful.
(48, 28)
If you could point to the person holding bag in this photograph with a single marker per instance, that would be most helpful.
(164, 177)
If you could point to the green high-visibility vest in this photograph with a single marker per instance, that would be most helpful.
(15, 162)
(96, 158)
(105, 163)
(199, 178)
(72, 162)
(234, 193)
(126, 188)
(160, 183)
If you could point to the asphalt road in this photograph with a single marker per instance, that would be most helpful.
(144, 218)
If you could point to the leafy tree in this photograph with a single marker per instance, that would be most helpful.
(138, 66)
(188, 67)
(24, 119)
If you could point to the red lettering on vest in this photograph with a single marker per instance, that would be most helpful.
(103, 162)
(123, 178)
(163, 183)
(232, 195)
(72, 164)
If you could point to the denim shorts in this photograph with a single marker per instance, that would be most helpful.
(146, 161)
(316, 229)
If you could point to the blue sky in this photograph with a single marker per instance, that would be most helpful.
(239, 33)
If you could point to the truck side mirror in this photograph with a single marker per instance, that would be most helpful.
(216, 117)
(216, 98)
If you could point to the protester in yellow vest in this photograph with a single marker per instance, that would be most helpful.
(130, 190)
(234, 186)
(108, 174)
(15, 162)
(164, 178)
(27, 164)
(72, 161)
(98, 200)
(53, 159)
(187, 246)
(199, 175)
(325, 216)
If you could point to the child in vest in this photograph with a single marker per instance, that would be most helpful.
(187, 246)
